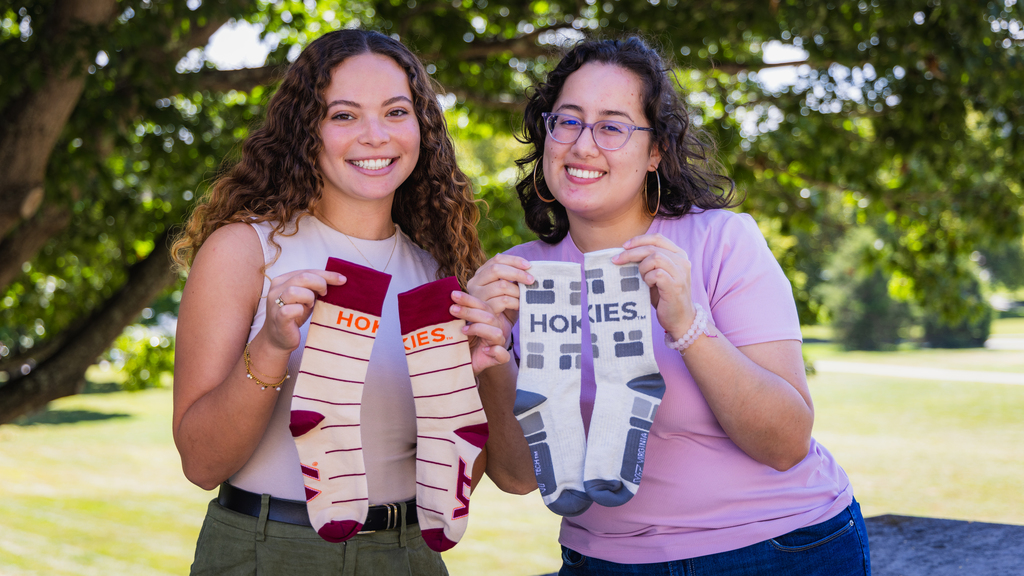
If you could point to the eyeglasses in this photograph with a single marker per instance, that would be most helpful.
(608, 134)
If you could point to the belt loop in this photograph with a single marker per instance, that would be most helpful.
(401, 532)
(261, 523)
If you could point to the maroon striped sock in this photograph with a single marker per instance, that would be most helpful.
(450, 425)
(327, 398)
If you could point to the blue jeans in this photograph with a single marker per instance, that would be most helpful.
(835, 547)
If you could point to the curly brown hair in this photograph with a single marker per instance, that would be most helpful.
(689, 174)
(278, 176)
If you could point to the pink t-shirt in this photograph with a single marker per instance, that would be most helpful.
(700, 493)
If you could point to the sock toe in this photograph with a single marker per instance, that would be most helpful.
(339, 530)
(436, 540)
(608, 492)
(571, 503)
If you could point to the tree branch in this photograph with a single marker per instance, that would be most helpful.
(524, 46)
(197, 36)
(244, 79)
(63, 373)
(32, 122)
(248, 78)
(23, 244)
(466, 96)
(410, 14)
(736, 67)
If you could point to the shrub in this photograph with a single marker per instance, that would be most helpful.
(969, 332)
(863, 314)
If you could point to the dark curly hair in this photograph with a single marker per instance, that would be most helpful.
(689, 174)
(279, 175)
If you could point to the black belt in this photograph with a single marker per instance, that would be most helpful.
(383, 517)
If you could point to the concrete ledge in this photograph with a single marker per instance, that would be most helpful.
(911, 546)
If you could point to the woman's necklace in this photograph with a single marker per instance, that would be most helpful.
(360, 252)
(395, 244)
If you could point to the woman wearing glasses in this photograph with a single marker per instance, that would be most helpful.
(732, 482)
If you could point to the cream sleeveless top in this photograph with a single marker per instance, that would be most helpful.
(388, 415)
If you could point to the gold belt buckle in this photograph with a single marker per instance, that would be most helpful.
(392, 516)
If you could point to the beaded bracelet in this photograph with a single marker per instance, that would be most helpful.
(699, 327)
(249, 373)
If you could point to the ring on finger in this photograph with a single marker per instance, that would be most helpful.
(279, 302)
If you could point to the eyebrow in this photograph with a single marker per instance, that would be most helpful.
(352, 104)
(579, 110)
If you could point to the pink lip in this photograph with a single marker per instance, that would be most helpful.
(383, 171)
(578, 180)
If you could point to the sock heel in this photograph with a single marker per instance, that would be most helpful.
(526, 401)
(303, 421)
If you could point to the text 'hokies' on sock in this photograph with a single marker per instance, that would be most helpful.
(629, 386)
(548, 388)
(327, 397)
(451, 428)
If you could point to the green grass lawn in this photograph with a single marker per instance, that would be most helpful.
(1007, 326)
(980, 359)
(818, 347)
(94, 486)
(921, 448)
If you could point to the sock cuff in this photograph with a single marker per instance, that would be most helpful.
(547, 287)
(601, 256)
(364, 289)
(427, 305)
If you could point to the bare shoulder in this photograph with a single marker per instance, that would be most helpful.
(229, 262)
(236, 241)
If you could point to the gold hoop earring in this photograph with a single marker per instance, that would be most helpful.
(536, 190)
(657, 207)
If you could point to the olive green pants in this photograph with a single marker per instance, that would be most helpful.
(234, 544)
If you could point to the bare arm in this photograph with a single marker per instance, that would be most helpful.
(758, 393)
(219, 414)
(509, 463)
(510, 467)
(484, 329)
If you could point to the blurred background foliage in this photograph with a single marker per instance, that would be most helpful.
(879, 146)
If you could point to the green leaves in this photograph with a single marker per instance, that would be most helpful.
(907, 119)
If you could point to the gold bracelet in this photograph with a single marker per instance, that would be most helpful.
(251, 376)
(256, 373)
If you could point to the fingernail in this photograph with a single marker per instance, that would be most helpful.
(455, 309)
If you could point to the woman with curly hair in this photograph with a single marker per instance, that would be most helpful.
(690, 453)
(353, 161)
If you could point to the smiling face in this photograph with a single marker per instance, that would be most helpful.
(595, 184)
(371, 135)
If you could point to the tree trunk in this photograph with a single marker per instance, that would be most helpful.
(31, 124)
(63, 373)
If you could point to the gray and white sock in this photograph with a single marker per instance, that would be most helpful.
(629, 384)
(548, 388)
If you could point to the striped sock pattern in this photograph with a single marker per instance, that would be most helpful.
(327, 399)
(450, 425)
